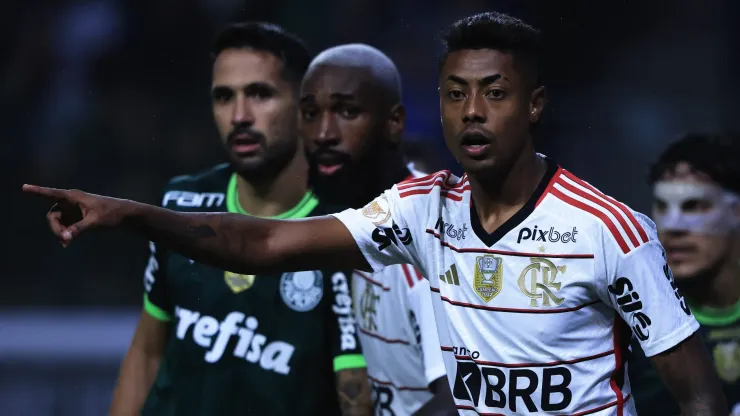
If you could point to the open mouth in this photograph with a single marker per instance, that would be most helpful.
(328, 164)
(244, 143)
(475, 144)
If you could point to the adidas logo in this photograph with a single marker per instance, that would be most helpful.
(450, 276)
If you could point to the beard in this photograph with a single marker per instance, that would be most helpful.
(274, 159)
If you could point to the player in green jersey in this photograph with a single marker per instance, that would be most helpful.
(211, 342)
(696, 206)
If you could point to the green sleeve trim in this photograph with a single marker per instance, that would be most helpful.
(349, 361)
(155, 311)
(301, 210)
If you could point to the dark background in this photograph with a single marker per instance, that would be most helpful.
(112, 97)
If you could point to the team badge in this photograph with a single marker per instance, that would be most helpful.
(727, 361)
(238, 282)
(302, 291)
(487, 276)
(378, 210)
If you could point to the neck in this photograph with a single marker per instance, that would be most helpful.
(273, 196)
(499, 195)
(388, 170)
(720, 292)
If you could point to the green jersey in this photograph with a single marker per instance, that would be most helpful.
(245, 344)
(720, 331)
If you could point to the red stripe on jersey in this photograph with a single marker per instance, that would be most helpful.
(520, 365)
(621, 206)
(425, 185)
(621, 340)
(507, 253)
(388, 383)
(424, 180)
(444, 193)
(407, 273)
(604, 204)
(467, 407)
(595, 212)
(598, 409)
(384, 339)
(510, 310)
(419, 277)
(549, 186)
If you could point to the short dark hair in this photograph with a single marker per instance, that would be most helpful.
(492, 30)
(717, 155)
(267, 37)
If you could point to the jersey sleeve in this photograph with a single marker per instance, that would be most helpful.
(156, 298)
(384, 232)
(640, 287)
(422, 320)
(344, 342)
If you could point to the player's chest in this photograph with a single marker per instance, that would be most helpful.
(723, 344)
(288, 295)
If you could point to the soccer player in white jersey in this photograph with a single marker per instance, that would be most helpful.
(351, 121)
(535, 306)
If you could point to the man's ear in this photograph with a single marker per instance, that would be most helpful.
(395, 125)
(537, 104)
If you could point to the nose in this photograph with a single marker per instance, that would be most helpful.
(328, 130)
(242, 112)
(474, 110)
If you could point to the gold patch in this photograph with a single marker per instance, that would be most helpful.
(378, 210)
(727, 361)
(238, 282)
(487, 276)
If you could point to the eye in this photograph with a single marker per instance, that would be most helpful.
(455, 95)
(696, 206)
(659, 206)
(496, 94)
(259, 92)
(309, 113)
(222, 95)
(349, 112)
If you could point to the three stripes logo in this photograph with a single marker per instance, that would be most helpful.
(450, 276)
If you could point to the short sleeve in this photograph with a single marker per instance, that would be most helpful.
(344, 341)
(383, 232)
(641, 289)
(422, 313)
(156, 296)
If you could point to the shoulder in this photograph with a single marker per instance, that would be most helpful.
(442, 185)
(606, 221)
(205, 188)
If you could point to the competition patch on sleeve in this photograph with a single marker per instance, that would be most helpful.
(378, 211)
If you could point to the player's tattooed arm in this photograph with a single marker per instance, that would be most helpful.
(687, 372)
(234, 242)
(353, 389)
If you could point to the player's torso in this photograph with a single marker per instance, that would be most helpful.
(519, 312)
(390, 339)
(244, 343)
(723, 343)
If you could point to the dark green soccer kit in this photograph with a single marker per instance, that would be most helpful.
(244, 344)
(720, 331)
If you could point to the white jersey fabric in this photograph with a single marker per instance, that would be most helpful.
(397, 330)
(535, 317)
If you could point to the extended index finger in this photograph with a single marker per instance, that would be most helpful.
(44, 191)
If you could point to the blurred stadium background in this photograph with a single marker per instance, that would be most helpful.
(111, 96)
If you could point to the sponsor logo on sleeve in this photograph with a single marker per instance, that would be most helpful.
(668, 273)
(385, 236)
(628, 300)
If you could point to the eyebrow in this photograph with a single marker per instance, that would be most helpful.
(309, 98)
(484, 81)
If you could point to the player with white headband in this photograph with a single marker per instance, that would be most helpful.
(696, 207)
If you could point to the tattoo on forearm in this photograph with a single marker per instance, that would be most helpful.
(354, 392)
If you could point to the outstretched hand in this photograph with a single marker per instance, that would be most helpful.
(75, 211)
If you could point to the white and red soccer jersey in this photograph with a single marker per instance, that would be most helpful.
(394, 312)
(535, 317)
